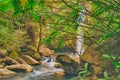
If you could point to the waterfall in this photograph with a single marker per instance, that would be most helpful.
(80, 36)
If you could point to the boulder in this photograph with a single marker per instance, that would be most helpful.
(20, 60)
(59, 73)
(29, 60)
(1, 66)
(20, 68)
(91, 56)
(58, 65)
(45, 51)
(8, 61)
(36, 56)
(70, 65)
(5, 72)
(96, 64)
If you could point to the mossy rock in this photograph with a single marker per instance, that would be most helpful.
(14, 54)
(37, 56)
(69, 63)
(30, 60)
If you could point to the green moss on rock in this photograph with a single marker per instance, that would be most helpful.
(14, 54)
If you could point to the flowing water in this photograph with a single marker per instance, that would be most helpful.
(80, 42)
(80, 35)
(45, 72)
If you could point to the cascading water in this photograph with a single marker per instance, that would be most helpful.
(80, 36)
(48, 61)
(45, 72)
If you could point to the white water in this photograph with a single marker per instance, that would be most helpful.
(80, 35)
(43, 73)
(49, 62)
(80, 42)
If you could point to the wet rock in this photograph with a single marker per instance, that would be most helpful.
(45, 51)
(1, 66)
(70, 65)
(20, 68)
(59, 73)
(58, 65)
(20, 60)
(8, 61)
(30, 60)
(5, 72)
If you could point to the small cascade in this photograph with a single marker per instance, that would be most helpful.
(48, 61)
(47, 69)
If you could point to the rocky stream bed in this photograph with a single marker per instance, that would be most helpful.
(50, 66)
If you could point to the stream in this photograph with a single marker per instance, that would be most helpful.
(40, 72)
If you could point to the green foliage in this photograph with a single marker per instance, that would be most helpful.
(51, 37)
(105, 26)
(104, 21)
(106, 76)
(35, 16)
(115, 61)
(108, 56)
(118, 77)
(11, 39)
(84, 72)
(5, 5)
(117, 65)
(23, 6)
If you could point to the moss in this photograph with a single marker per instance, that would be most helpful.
(14, 54)
(36, 56)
